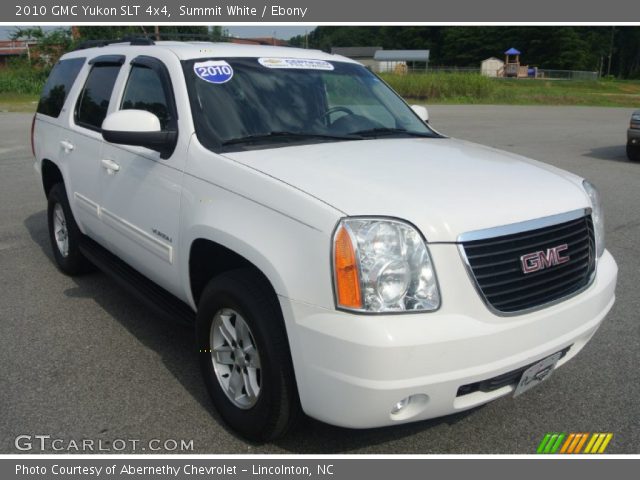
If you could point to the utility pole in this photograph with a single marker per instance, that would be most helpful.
(613, 32)
(157, 32)
(600, 66)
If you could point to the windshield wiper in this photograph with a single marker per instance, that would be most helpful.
(385, 131)
(280, 135)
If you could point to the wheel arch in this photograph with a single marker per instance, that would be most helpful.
(208, 258)
(51, 174)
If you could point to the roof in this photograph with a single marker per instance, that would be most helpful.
(9, 51)
(189, 50)
(355, 52)
(512, 51)
(402, 55)
(14, 47)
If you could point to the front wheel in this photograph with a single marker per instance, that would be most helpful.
(633, 152)
(244, 356)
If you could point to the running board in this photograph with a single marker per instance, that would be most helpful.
(137, 284)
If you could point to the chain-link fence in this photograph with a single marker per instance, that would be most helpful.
(540, 73)
(567, 74)
(447, 69)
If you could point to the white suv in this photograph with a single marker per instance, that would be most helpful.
(336, 254)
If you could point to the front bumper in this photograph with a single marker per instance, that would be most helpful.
(352, 369)
(633, 136)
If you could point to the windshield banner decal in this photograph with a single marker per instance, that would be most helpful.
(300, 63)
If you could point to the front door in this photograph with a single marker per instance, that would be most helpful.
(140, 189)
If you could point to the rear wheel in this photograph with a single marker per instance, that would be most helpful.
(244, 356)
(64, 233)
(633, 152)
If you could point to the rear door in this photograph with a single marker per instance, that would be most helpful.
(141, 197)
(81, 146)
(51, 120)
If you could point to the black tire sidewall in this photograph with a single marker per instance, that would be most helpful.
(74, 263)
(260, 422)
(633, 152)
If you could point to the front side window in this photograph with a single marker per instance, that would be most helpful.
(145, 91)
(244, 103)
(93, 102)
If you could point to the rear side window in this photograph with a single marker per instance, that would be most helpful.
(144, 91)
(58, 84)
(93, 102)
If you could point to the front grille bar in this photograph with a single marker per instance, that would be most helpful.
(492, 258)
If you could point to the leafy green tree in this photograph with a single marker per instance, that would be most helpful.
(551, 47)
(170, 32)
(49, 46)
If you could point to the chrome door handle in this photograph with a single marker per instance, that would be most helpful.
(66, 145)
(111, 166)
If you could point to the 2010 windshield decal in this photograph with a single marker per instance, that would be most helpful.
(213, 71)
(299, 63)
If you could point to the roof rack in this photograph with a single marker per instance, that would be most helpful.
(104, 43)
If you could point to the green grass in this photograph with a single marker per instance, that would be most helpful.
(18, 102)
(441, 86)
(469, 88)
(20, 86)
(22, 79)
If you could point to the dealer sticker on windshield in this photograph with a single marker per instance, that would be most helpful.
(299, 63)
(213, 71)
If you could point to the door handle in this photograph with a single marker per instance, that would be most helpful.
(66, 145)
(111, 166)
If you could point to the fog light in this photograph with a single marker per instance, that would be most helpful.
(409, 407)
(398, 407)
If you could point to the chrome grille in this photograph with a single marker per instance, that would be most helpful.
(495, 264)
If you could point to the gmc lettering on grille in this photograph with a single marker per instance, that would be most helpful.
(535, 261)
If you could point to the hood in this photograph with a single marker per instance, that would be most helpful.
(443, 186)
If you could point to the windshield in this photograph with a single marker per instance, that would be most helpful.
(246, 103)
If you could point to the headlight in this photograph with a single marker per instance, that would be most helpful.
(597, 215)
(382, 265)
(635, 121)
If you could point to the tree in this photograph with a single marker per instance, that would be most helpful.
(169, 32)
(552, 47)
(49, 44)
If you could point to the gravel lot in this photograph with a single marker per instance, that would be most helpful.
(81, 359)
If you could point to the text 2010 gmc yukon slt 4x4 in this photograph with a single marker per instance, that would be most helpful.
(336, 254)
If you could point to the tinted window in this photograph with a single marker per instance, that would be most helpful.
(144, 91)
(58, 84)
(245, 103)
(94, 99)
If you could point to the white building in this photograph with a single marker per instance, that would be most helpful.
(491, 66)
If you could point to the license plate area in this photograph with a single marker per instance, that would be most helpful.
(537, 373)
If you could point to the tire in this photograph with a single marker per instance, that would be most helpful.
(64, 234)
(230, 300)
(633, 152)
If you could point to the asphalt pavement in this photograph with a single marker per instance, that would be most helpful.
(82, 359)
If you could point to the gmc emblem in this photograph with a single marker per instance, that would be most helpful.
(533, 262)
